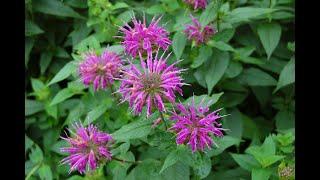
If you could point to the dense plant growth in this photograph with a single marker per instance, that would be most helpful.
(159, 89)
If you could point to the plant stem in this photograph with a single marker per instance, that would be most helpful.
(162, 118)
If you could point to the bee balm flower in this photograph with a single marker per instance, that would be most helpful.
(197, 4)
(87, 148)
(141, 39)
(151, 84)
(100, 70)
(196, 33)
(195, 126)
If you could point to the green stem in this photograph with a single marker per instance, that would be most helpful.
(162, 118)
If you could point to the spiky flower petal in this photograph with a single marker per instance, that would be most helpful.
(88, 147)
(141, 39)
(197, 4)
(195, 126)
(100, 70)
(151, 84)
(196, 33)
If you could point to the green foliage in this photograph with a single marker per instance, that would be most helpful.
(247, 68)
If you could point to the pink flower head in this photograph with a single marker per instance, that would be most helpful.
(100, 70)
(196, 33)
(87, 148)
(195, 126)
(151, 84)
(141, 39)
(197, 4)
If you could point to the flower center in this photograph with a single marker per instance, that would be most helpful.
(151, 82)
(100, 70)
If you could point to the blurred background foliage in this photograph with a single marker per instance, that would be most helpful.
(248, 68)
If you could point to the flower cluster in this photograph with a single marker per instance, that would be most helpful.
(143, 39)
(198, 34)
(100, 70)
(151, 83)
(197, 4)
(88, 147)
(194, 126)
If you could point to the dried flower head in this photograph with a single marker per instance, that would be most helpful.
(195, 126)
(141, 39)
(196, 33)
(197, 4)
(88, 148)
(151, 84)
(100, 70)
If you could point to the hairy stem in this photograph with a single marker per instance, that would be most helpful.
(164, 121)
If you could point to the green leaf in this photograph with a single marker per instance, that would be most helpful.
(202, 166)
(45, 60)
(116, 48)
(134, 130)
(37, 85)
(216, 68)
(61, 96)
(97, 112)
(28, 45)
(204, 99)
(65, 72)
(231, 99)
(274, 65)
(287, 75)
(204, 53)
(45, 172)
(209, 14)
(269, 35)
(52, 110)
(246, 161)
(285, 119)
(171, 159)
(28, 143)
(36, 155)
(88, 44)
(178, 171)
(59, 144)
(31, 28)
(220, 45)
(245, 13)
(32, 107)
(156, 9)
(223, 143)
(265, 154)
(291, 46)
(261, 174)
(224, 35)
(285, 139)
(233, 122)
(256, 77)
(54, 7)
(178, 44)
(230, 174)
(234, 69)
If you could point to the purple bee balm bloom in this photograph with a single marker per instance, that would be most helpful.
(195, 126)
(141, 39)
(151, 84)
(100, 70)
(87, 148)
(196, 33)
(197, 4)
